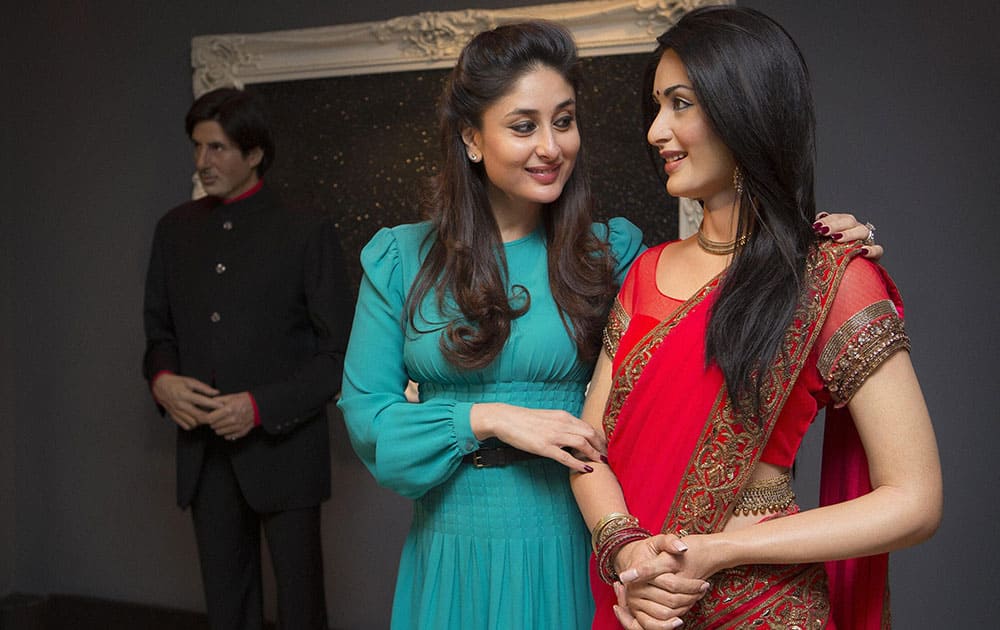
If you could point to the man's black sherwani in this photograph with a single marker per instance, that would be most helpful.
(250, 296)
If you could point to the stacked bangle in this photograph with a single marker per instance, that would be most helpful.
(610, 522)
(611, 533)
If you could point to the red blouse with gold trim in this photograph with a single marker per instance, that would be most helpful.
(864, 327)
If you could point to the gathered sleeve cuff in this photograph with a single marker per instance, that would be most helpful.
(408, 447)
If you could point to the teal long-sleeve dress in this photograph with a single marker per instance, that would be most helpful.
(490, 548)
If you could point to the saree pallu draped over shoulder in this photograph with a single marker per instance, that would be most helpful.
(682, 455)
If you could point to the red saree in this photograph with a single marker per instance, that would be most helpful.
(682, 456)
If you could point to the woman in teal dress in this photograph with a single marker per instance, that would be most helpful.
(494, 307)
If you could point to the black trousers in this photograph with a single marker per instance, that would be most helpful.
(228, 534)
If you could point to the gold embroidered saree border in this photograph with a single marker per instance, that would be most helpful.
(635, 361)
(729, 448)
(795, 597)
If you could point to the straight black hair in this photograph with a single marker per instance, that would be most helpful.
(753, 84)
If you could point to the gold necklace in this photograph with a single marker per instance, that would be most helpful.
(720, 248)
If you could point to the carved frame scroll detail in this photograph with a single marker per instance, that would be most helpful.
(424, 41)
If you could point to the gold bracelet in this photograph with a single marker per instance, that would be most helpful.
(608, 525)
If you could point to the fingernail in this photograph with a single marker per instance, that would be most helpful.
(678, 623)
(817, 225)
(824, 230)
(680, 546)
(705, 587)
(823, 214)
(604, 458)
(588, 468)
(864, 251)
(628, 576)
(836, 236)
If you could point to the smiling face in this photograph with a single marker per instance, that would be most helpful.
(697, 163)
(528, 142)
(223, 169)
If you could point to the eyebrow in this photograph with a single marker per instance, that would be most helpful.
(670, 90)
(530, 112)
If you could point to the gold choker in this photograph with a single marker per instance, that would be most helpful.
(720, 248)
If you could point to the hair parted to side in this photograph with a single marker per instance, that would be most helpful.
(753, 85)
(242, 117)
(462, 260)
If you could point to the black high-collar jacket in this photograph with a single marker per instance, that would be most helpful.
(249, 296)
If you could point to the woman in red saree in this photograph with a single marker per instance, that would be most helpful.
(720, 351)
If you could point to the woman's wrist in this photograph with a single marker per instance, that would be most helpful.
(623, 557)
(716, 551)
(612, 534)
(723, 552)
(481, 420)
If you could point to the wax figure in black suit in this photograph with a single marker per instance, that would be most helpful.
(247, 316)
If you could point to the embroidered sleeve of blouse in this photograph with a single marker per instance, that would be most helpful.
(864, 329)
(624, 304)
(617, 324)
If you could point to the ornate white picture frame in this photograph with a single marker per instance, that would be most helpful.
(423, 41)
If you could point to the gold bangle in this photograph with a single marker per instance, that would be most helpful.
(601, 524)
(611, 523)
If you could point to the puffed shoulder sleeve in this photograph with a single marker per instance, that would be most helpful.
(409, 447)
(625, 241)
(863, 329)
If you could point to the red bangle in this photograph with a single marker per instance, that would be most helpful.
(611, 545)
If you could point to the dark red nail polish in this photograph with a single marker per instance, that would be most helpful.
(588, 468)
(836, 236)
(604, 458)
(824, 230)
(864, 251)
(817, 225)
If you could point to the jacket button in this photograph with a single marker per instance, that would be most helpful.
(227, 226)
(220, 268)
(215, 317)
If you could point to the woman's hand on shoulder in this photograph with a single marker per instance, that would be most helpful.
(843, 227)
(551, 433)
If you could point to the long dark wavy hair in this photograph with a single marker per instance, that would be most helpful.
(465, 260)
(753, 85)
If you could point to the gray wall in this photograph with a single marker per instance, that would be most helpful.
(94, 154)
(906, 97)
